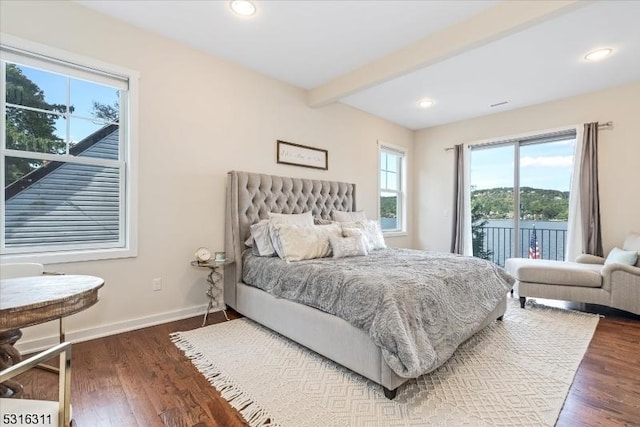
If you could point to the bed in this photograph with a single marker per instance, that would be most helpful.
(250, 198)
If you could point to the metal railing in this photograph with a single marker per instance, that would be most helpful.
(499, 242)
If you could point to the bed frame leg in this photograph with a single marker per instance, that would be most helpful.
(390, 394)
(523, 300)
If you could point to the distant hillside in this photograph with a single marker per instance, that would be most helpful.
(535, 203)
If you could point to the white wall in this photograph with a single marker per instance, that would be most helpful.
(200, 116)
(619, 159)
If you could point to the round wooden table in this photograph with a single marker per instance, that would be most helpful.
(28, 301)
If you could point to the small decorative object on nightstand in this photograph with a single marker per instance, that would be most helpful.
(203, 259)
(203, 254)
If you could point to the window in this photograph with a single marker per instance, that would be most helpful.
(392, 189)
(66, 157)
(519, 194)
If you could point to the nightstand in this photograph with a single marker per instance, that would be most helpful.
(213, 278)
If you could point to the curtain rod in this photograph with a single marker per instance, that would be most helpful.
(605, 125)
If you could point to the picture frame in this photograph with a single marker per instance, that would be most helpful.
(289, 153)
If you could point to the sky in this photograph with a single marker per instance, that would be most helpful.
(82, 95)
(546, 166)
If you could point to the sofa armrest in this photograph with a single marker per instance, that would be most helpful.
(608, 269)
(589, 259)
(623, 283)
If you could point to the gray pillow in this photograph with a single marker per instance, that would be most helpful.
(291, 219)
(262, 239)
(349, 246)
(321, 221)
(341, 216)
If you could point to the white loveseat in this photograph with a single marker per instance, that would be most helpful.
(587, 280)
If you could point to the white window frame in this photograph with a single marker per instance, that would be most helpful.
(63, 61)
(401, 230)
(517, 140)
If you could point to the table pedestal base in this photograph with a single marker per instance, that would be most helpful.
(9, 356)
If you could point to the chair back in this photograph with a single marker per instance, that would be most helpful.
(22, 269)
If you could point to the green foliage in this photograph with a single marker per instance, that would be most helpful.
(388, 208)
(28, 130)
(535, 204)
(35, 131)
(478, 234)
(110, 113)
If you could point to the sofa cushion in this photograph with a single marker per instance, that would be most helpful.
(632, 243)
(618, 256)
(555, 272)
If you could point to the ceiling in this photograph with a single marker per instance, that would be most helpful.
(383, 56)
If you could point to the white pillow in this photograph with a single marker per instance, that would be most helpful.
(299, 242)
(341, 216)
(620, 256)
(371, 230)
(349, 246)
(305, 219)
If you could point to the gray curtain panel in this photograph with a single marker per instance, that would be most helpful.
(589, 195)
(457, 234)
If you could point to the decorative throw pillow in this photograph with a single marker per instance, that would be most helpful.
(260, 234)
(374, 234)
(371, 230)
(305, 219)
(341, 216)
(299, 242)
(620, 256)
(349, 246)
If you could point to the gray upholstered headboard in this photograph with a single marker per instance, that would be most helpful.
(250, 198)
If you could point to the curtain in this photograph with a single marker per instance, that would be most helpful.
(574, 224)
(589, 195)
(458, 211)
(583, 229)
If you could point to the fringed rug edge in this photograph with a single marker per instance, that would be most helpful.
(239, 399)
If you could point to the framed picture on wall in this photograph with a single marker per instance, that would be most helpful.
(289, 153)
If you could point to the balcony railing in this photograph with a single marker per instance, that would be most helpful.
(499, 241)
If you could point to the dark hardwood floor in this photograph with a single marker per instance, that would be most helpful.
(606, 388)
(140, 378)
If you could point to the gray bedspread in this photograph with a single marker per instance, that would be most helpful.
(417, 306)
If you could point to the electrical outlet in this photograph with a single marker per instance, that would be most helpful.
(157, 284)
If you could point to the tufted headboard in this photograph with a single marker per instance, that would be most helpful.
(250, 198)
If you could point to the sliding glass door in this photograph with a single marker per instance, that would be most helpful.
(520, 197)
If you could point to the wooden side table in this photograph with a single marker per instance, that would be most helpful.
(213, 278)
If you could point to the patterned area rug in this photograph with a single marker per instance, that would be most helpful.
(514, 372)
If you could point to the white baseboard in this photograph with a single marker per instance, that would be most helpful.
(39, 344)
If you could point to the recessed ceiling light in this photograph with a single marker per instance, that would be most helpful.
(425, 103)
(242, 7)
(599, 54)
